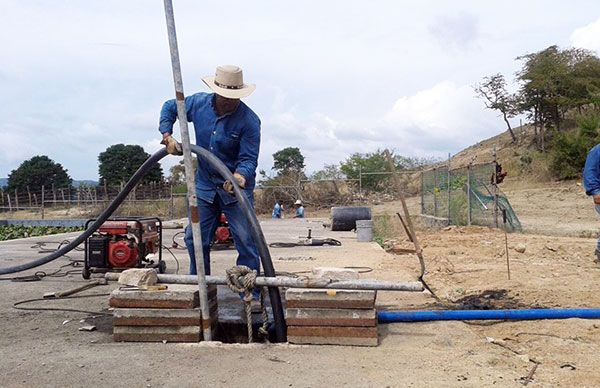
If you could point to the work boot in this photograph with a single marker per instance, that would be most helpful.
(597, 259)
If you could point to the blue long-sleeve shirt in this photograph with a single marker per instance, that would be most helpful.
(234, 138)
(591, 172)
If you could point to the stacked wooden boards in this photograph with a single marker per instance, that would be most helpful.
(171, 315)
(331, 317)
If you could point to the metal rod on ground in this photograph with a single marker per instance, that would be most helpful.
(282, 281)
(189, 170)
(409, 224)
(506, 242)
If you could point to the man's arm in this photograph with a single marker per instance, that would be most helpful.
(591, 172)
(168, 114)
(249, 147)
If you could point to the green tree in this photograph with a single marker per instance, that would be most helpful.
(364, 165)
(288, 160)
(493, 91)
(119, 162)
(329, 171)
(37, 172)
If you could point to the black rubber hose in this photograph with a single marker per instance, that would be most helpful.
(256, 231)
(257, 234)
(139, 174)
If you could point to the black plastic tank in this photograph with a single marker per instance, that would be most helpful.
(344, 217)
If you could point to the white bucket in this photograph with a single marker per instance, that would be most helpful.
(364, 230)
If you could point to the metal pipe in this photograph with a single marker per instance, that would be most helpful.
(189, 171)
(282, 281)
(468, 315)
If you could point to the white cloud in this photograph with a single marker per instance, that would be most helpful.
(459, 31)
(587, 36)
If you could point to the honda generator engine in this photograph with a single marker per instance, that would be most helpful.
(122, 243)
(222, 237)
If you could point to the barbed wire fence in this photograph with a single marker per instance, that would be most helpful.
(156, 198)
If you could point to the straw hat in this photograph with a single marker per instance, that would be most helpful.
(229, 82)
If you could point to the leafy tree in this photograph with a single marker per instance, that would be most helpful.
(569, 149)
(288, 160)
(37, 172)
(493, 91)
(363, 165)
(178, 172)
(119, 162)
(329, 171)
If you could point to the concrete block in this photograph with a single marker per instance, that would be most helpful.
(160, 317)
(138, 277)
(157, 333)
(177, 296)
(333, 273)
(330, 317)
(322, 298)
(323, 335)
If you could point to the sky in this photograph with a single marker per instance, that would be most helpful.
(333, 77)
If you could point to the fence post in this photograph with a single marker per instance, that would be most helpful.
(435, 190)
(105, 191)
(29, 195)
(172, 209)
(495, 188)
(448, 183)
(9, 203)
(43, 202)
(360, 181)
(469, 213)
(422, 195)
(16, 200)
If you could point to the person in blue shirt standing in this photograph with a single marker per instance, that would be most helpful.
(231, 131)
(276, 210)
(591, 183)
(299, 209)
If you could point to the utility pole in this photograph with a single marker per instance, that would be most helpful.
(189, 170)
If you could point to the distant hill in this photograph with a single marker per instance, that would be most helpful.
(87, 182)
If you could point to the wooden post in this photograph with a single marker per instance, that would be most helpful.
(359, 181)
(435, 190)
(105, 191)
(407, 219)
(43, 202)
(29, 195)
(172, 209)
(448, 184)
(495, 189)
(16, 200)
(9, 203)
(469, 212)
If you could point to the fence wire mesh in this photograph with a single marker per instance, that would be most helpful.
(466, 196)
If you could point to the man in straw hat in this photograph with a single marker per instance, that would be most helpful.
(231, 131)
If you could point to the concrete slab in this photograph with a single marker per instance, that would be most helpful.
(321, 298)
(159, 317)
(175, 297)
(157, 333)
(323, 335)
(330, 317)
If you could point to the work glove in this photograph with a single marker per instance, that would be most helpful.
(173, 147)
(241, 181)
(596, 199)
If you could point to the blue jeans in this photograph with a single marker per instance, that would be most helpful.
(240, 230)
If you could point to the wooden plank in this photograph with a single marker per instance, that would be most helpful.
(322, 298)
(323, 335)
(160, 317)
(331, 317)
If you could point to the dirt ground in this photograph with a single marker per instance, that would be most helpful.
(466, 268)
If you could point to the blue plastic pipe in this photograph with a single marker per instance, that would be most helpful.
(470, 315)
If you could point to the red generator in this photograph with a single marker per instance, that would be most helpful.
(122, 243)
(222, 238)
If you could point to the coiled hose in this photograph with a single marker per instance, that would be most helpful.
(255, 230)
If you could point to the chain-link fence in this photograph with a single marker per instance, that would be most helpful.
(467, 196)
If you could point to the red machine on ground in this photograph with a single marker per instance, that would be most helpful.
(122, 243)
(222, 238)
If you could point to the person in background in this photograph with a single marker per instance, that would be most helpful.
(299, 209)
(276, 210)
(591, 183)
